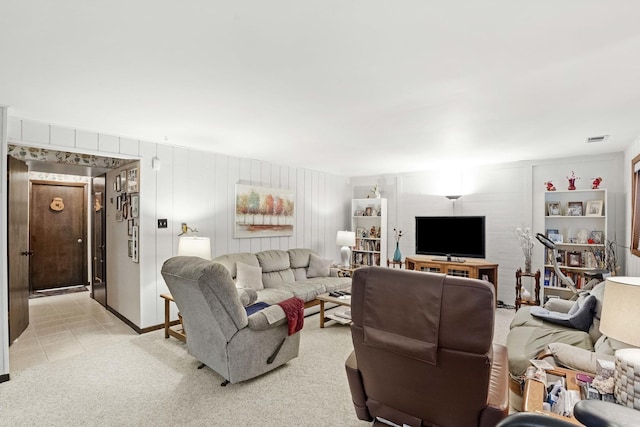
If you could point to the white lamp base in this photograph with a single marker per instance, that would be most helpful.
(627, 377)
(345, 256)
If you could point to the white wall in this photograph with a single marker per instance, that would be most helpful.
(197, 188)
(509, 195)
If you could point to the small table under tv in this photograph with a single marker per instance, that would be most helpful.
(471, 267)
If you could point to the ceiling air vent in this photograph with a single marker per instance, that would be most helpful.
(600, 138)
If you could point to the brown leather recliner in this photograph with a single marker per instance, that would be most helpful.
(423, 352)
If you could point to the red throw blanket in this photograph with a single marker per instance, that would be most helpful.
(294, 310)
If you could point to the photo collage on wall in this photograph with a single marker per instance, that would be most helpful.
(128, 207)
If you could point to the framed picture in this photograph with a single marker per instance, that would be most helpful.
(135, 205)
(117, 186)
(119, 216)
(130, 248)
(130, 227)
(132, 180)
(594, 207)
(554, 209)
(597, 237)
(118, 203)
(368, 211)
(134, 249)
(358, 212)
(361, 232)
(556, 237)
(574, 259)
(574, 209)
(123, 180)
(552, 231)
(562, 257)
(263, 212)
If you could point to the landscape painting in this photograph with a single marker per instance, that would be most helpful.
(263, 212)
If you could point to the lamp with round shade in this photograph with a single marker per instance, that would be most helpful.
(620, 320)
(195, 246)
(346, 239)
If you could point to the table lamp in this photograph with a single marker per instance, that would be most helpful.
(194, 246)
(345, 239)
(620, 320)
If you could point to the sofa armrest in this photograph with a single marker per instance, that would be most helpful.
(267, 318)
(333, 272)
(559, 305)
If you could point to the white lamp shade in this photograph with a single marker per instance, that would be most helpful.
(195, 246)
(346, 238)
(620, 317)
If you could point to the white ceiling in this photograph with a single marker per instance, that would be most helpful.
(343, 86)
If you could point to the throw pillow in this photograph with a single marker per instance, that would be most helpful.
(580, 319)
(318, 267)
(249, 276)
(247, 296)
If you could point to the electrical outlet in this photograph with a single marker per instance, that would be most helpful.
(162, 223)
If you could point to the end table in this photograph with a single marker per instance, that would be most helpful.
(519, 301)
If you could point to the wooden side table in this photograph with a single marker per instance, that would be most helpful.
(168, 331)
(519, 301)
(534, 392)
(392, 263)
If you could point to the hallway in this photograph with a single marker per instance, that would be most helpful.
(64, 326)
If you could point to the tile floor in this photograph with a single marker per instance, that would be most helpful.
(63, 326)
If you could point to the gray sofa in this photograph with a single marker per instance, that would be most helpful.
(296, 272)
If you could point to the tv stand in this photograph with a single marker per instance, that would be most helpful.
(472, 268)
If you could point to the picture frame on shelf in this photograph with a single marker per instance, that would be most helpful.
(368, 211)
(574, 259)
(358, 212)
(597, 237)
(594, 208)
(574, 209)
(554, 209)
(361, 232)
(556, 237)
(552, 231)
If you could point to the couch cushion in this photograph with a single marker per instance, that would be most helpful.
(318, 267)
(576, 358)
(305, 289)
(230, 261)
(299, 260)
(249, 277)
(526, 342)
(273, 295)
(275, 268)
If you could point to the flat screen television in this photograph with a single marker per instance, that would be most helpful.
(451, 236)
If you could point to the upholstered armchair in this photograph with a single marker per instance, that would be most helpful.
(219, 332)
(423, 352)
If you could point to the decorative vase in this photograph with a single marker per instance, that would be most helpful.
(397, 256)
(527, 264)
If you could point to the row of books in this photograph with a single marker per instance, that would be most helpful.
(552, 279)
(366, 259)
(367, 245)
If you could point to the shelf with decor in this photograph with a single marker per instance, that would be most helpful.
(575, 220)
(369, 222)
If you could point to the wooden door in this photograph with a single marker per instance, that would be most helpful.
(57, 235)
(18, 247)
(98, 249)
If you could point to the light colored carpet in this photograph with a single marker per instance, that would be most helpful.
(149, 380)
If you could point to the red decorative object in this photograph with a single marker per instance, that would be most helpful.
(596, 183)
(550, 186)
(572, 181)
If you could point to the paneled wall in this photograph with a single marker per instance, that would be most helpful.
(509, 195)
(197, 188)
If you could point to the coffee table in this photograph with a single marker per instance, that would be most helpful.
(324, 298)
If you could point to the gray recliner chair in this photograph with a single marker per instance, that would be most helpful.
(219, 332)
(423, 352)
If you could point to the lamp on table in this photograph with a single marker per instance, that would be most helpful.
(620, 320)
(195, 246)
(346, 239)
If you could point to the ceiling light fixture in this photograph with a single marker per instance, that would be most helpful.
(453, 197)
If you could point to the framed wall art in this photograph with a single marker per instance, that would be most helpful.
(574, 209)
(135, 205)
(132, 180)
(263, 212)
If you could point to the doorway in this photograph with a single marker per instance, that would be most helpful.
(57, 235)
